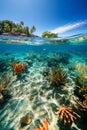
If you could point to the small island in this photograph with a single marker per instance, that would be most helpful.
(16, 29)
(48, 34)
(8, 27)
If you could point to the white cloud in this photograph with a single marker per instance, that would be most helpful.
(65, 28)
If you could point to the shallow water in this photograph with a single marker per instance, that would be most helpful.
(32, 90)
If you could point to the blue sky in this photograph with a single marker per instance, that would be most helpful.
(47, 14)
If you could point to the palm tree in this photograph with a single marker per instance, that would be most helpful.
(33, 29)
(22, 23)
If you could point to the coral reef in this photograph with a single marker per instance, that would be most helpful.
(1, 97)
(4, 64)
(19, 67)
(82, 90)
(66, 114)
(55, 76)
(58, 58)
(45, 72)
(81, 86)
(31, 55)
(81, 81)
(83, 104)
(58, 76)
(44, 125)
(81, 68)
(26, 120)
(4, 82)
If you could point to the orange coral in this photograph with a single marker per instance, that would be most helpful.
(18, 67)
(44, 126)
(66, 114)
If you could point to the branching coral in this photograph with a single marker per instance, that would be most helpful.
(66, 114)
(81, 87)
(58, 76)
(81, 68)
(44, 125)
(81, 81)
(83, 104)
(83, 90)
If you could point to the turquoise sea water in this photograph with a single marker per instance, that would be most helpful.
(33, 91)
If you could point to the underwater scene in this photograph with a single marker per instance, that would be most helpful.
(43, 83)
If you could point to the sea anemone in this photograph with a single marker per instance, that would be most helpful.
(66, 114)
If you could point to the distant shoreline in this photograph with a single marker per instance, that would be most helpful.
(12, 34)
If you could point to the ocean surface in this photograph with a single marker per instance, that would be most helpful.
(34, 90)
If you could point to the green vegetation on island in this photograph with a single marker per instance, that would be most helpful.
(11, 28)
(48, 34)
